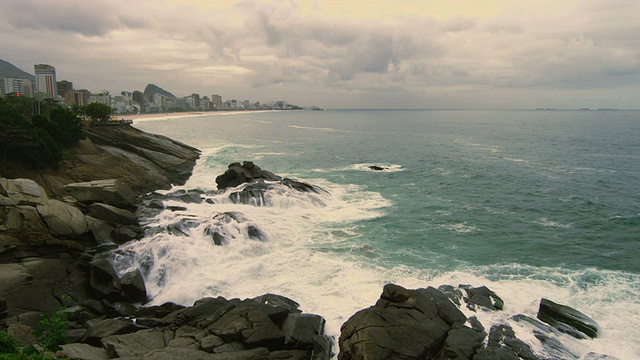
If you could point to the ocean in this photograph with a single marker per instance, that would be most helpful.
(531, 204)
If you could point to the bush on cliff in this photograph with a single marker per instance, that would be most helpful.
(37, 140)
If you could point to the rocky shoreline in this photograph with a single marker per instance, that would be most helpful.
(56, 237)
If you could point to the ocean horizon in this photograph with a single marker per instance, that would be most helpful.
(530, 203)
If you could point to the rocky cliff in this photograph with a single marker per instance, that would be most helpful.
(143, 161)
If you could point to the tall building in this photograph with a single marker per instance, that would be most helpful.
(138, 97)
(217, 101)
(46, 80)
(64, 88)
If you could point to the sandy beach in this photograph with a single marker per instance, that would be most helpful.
(164, 116)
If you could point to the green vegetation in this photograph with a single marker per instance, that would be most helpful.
(8, 345)
(98, 112)
(50, 335)
(36, 133)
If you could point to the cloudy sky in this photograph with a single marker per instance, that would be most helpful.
(339, 53)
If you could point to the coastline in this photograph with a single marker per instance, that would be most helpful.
(185, 114)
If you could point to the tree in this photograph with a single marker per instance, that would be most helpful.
(36, 140)
(98, 112)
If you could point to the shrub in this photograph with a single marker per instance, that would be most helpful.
(8, 345)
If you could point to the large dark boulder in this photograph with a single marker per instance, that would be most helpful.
(104, 280)
(403, 324)
(567, 320)
(133, 288)
(482, 297)
(258, 182)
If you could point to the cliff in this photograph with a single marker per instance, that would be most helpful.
(143, 161)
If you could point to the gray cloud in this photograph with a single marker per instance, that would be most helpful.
(272, 48)
(89, 18)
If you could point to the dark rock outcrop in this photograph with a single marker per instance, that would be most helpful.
(428, 324)
(567, 320)
(403, 324)
(258, 181)
(213, 328)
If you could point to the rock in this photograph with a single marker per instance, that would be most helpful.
(262, 332)
(462, 343)
(133, 287)
(219, 229)
(454, 294)
(108, 327)
(102, 232)
(136, 344)
(112, 191)
(567, 320)
(112, 214)
(504, 345)
(63, 219)
(300, 330)
(377, 168)
(404, 324)
(484, 298)
(23, 191)
(104, 280)
(596, 356)
(84, 352)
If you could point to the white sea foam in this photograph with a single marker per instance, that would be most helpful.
(313, 128)
(553, 224)
(368, 167)
(310, 256)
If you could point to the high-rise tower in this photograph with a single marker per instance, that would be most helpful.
(46, 80)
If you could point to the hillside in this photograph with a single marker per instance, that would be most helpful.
(152, 89)
(9, 70)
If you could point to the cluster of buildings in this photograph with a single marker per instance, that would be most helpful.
(47, 87)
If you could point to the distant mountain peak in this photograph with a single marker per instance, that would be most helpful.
(9, 70)
(152, 89)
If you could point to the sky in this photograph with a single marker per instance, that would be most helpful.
(423, 54)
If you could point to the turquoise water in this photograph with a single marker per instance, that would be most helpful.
(542, 203)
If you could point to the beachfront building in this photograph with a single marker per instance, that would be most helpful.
(46, 80)
(21, 87)
(102, 98)
(216, 101)
(79, 97)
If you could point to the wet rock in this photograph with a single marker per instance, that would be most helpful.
(503, 344)
(300, 330)
(133, 287)
(104, 280)
(462, 342)
(567, 320)
(483, 297)
(404, 324)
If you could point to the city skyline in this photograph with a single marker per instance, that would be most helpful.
(375, 54)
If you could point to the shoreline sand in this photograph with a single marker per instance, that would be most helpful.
(176, 115)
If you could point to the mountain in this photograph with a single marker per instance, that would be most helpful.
(152, 89)
(9, 70)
